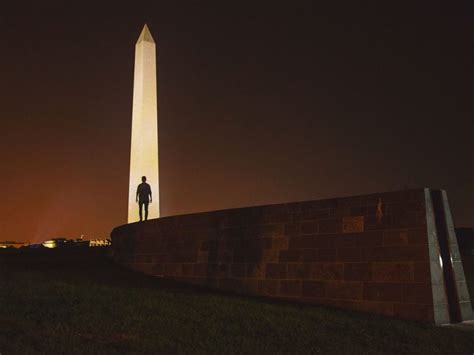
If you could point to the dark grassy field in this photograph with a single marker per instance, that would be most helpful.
(80, 304)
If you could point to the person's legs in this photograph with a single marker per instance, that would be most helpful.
(146, 210)
(140, 204)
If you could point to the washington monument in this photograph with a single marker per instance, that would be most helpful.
(144, 145)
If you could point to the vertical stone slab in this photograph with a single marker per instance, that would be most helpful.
(460, 279)
(440, 302)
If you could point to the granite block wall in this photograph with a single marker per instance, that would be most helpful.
(368, 253)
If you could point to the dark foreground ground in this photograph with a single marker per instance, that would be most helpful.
(82, 303)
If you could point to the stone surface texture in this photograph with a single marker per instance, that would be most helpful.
(301, 252)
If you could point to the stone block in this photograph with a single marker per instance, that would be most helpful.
(157, 269)
(320, 241)
(421, 271)
(395, 237)
(233, 233)
(330, 226)
(291, 255)
(311, 214)
(250, 255)
(455, 253)
(349, 254)
(389, 272)
(238, 270)
(439, 294)
(291, 229)
(340, 211)
(463, 293)
(370, 239)
(250, 286)
(219, 270)
(276, 271)
(404, 219)
(372, 223)
(229, 244)
(268, 287)
(200, 269)
(302, 242)
(395, 253)
(358, 211)
(417, 293)
(466, 310)
(440, 313)
(172, 269)
(371, 210)
(257, 271)
(345, 240)
(310, 255)
(276, 218)
(309, 227)
(319, 213)
(280, 243)
(437, 274)
(259, 243)
(299, 270)
(327, 271)
(270, 230)
(420, 219)
(458, 271)
(417, 236)
(208, 245)
(415, 206)
(313, 289)
(344, 290)
(270, 255)
(222, 256)
(383, 291)
(357, 272)
(290, 288)
(326, 254)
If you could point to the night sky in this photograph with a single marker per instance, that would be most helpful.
(258, 104)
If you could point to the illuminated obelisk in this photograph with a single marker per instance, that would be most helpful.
(144, 145)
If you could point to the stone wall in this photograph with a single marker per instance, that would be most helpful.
(368, 253)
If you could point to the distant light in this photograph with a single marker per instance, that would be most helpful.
(49, 244)
(99, 242)
(440, 261)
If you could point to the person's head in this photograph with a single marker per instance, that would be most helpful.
(143, 178)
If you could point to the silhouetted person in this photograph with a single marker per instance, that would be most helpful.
(143, 197)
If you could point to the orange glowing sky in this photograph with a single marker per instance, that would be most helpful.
(257, 104)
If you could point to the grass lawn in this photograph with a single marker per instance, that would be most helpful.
(89, 305)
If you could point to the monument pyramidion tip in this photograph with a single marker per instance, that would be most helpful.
(145, 36)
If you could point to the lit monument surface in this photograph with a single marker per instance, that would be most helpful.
(144, 144)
